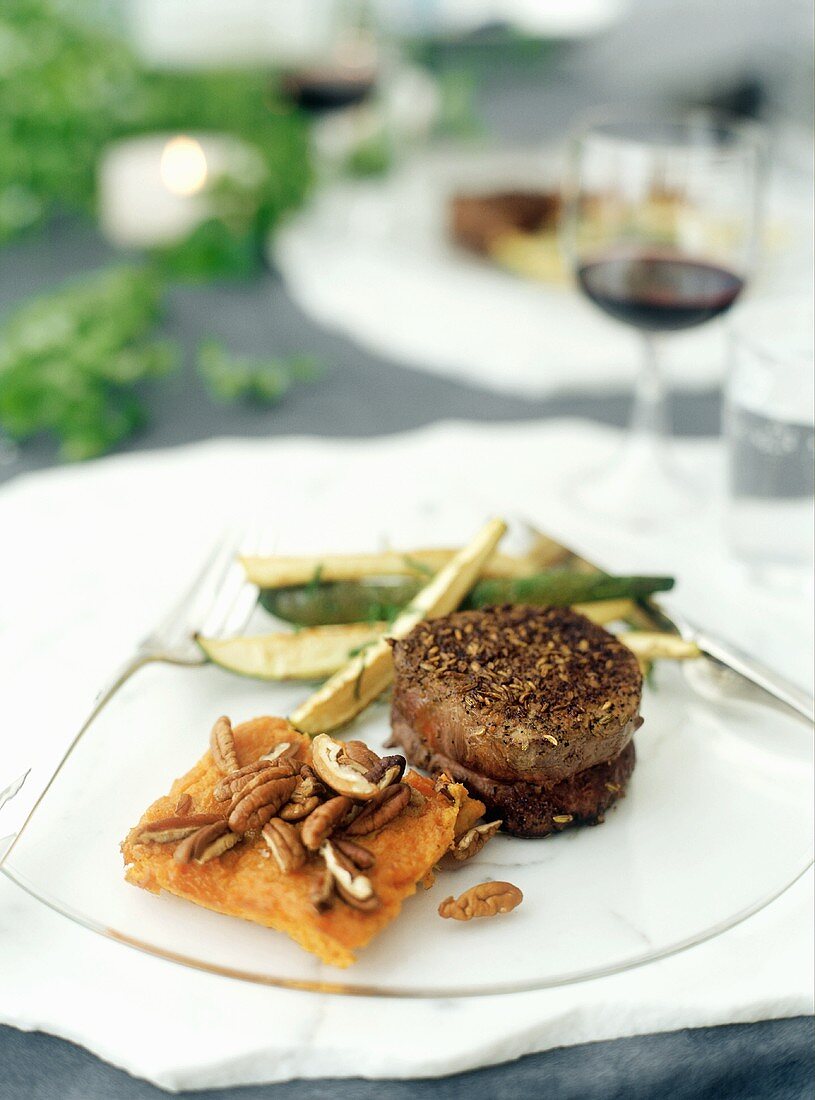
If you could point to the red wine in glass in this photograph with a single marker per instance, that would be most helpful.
(323, 90)
(659, 292)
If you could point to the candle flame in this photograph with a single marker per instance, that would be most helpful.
(183, 166)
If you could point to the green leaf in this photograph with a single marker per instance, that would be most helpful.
(230, 377)
(69, 360)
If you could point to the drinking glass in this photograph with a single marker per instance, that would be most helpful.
(346, 58)
(661, 228)
(769, 425)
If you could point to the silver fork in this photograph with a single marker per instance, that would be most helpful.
(219, 602)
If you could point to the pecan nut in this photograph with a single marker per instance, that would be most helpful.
(358, 754)
(285, 750)
(184, 804)
(362, 857)
(252, 809)
(355, 888)
(168, 829)
(285, 845)
(207, 843)
(487, 899)
(222, 746)
(381, 810)
(468, 845)
(321, 823)
(239, 781)
(322, 890)
(294, 810)
(389, 769)
(306, 796)
(340, 775)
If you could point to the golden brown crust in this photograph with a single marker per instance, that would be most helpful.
(245, 882)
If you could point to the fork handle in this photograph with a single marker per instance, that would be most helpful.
(139, 659)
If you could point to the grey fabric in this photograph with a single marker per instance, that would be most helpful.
(360, 395)
(766, 1061)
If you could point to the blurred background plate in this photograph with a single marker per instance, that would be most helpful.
(375, 261)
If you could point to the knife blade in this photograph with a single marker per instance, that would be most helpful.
(728, 670)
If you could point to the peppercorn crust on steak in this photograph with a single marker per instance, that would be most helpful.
(532, 708)
(243, 882)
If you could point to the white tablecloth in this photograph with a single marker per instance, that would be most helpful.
(92, 554)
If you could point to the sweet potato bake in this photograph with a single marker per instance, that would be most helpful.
(321, 840)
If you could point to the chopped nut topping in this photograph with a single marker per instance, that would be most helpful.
(322, 890)
(285, 750)
(285, 845)
(358, 753)
(253, 808)
(344, 778)
(389, 769)
(298, 811)
(169, 829)
(206, 843)
(246, 778)
(222, 746)
(353, 887)
(184, 804)
(563, 819)
(379, 811)
(468, 845)
(322, 822)
(305, 797)
(485, 900)
(362, 857)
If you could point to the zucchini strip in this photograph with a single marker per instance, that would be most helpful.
(605, 611)
(306, 655)
(367, 675)
(277, 571)
(652, 646)
(319, 651)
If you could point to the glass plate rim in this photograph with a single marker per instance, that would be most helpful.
(360, 989)
(349, 988)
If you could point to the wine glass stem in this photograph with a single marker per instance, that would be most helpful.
(649, 419)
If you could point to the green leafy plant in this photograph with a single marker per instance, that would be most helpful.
(230, 377)
(69, 87)
(71, 359)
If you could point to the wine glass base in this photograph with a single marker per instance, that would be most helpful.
(636, 488)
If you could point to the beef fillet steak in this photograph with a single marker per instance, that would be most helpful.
(533, 708)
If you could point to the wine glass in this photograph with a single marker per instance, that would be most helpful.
(660, 227)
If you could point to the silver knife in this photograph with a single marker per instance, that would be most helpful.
(724, 672)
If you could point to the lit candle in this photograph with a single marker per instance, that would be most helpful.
(152, 190)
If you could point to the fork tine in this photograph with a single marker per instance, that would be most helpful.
(236, 601)
(201, 592)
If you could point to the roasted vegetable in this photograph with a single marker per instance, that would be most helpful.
(339, 602)
(358, 601)
(279, 571)
(367, 675)
(306, 655)
(563, 587)
(652, 646)
(317, 652)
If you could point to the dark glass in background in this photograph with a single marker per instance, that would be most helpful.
(660, 227)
